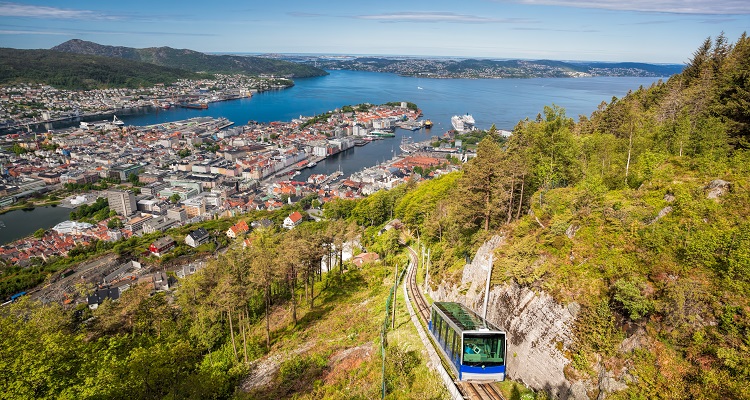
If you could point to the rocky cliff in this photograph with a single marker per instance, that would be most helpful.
(539, 330)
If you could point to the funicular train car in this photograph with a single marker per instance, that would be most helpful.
(476, 349)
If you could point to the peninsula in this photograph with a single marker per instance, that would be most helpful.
(433, 67)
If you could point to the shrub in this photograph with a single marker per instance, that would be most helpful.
(628, 294)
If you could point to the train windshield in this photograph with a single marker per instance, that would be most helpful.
(484, 350)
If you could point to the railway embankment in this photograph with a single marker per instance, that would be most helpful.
(540, 330)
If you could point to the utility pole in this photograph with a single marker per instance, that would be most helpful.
(395, 293)
(487, 287)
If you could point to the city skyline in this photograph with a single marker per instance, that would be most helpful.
(666, 31)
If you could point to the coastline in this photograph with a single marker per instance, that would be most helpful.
(45, 126)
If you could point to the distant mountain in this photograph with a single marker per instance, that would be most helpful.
(485, 68)
(78, 71)
(193, 60)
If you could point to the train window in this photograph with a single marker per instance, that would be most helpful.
(456, 347)
(449, 342)
(487, 350)
(444, 333)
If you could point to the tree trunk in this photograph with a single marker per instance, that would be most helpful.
(520, 201)
(630, 148)
(231, 331)
(243, 322)
(294, 300)
(341, 258)
(510, 200)
(307, 283)
(487, 211)
(312, 291)
(268, 316)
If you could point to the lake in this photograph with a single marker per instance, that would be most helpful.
(18, 224)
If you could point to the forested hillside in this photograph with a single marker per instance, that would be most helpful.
(195, 61)
(81, 72)
(267, 295)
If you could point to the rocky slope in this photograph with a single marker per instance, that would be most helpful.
(540, 331)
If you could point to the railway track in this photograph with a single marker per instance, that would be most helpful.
(483, 391)
(419, 301)
(470, 390)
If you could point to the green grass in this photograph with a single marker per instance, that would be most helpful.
(334, 350)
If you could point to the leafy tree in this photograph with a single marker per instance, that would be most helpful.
(133, 179)
(479, 189)
(264, 269)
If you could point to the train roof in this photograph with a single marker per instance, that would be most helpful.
(464, 318)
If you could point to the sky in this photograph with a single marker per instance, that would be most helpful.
(656, 31)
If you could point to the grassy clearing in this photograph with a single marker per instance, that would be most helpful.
(334, 350)
(407, 378)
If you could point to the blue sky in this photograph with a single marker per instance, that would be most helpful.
(662, 31)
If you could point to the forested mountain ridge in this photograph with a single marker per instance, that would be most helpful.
(193, 60)
(78, 72)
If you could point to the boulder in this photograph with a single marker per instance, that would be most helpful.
(717, 188)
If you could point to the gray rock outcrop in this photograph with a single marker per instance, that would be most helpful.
(539, 329)
(717, 188)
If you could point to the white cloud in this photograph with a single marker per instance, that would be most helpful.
(438, 17)
(12, 32)
(30, 11)
(723, 7)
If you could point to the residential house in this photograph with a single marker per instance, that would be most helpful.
(262, 223)
(197, 237)
(292, 220)
(109, 292)
(161, 246)
(237, 229)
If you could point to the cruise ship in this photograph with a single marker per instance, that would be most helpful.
(463, 123)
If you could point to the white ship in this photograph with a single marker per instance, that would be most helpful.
(463, 123)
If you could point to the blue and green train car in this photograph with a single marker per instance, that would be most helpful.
(476, 349)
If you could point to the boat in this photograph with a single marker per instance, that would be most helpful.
(406, 144)
(116, 121)
(428, 124)
(382, 134)
(361, 142)
(410, 125)
(195, 106)
(311, 164)
(463, 123)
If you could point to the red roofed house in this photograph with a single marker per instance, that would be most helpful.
(292, 220)
(365, 258)
(237, 229)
